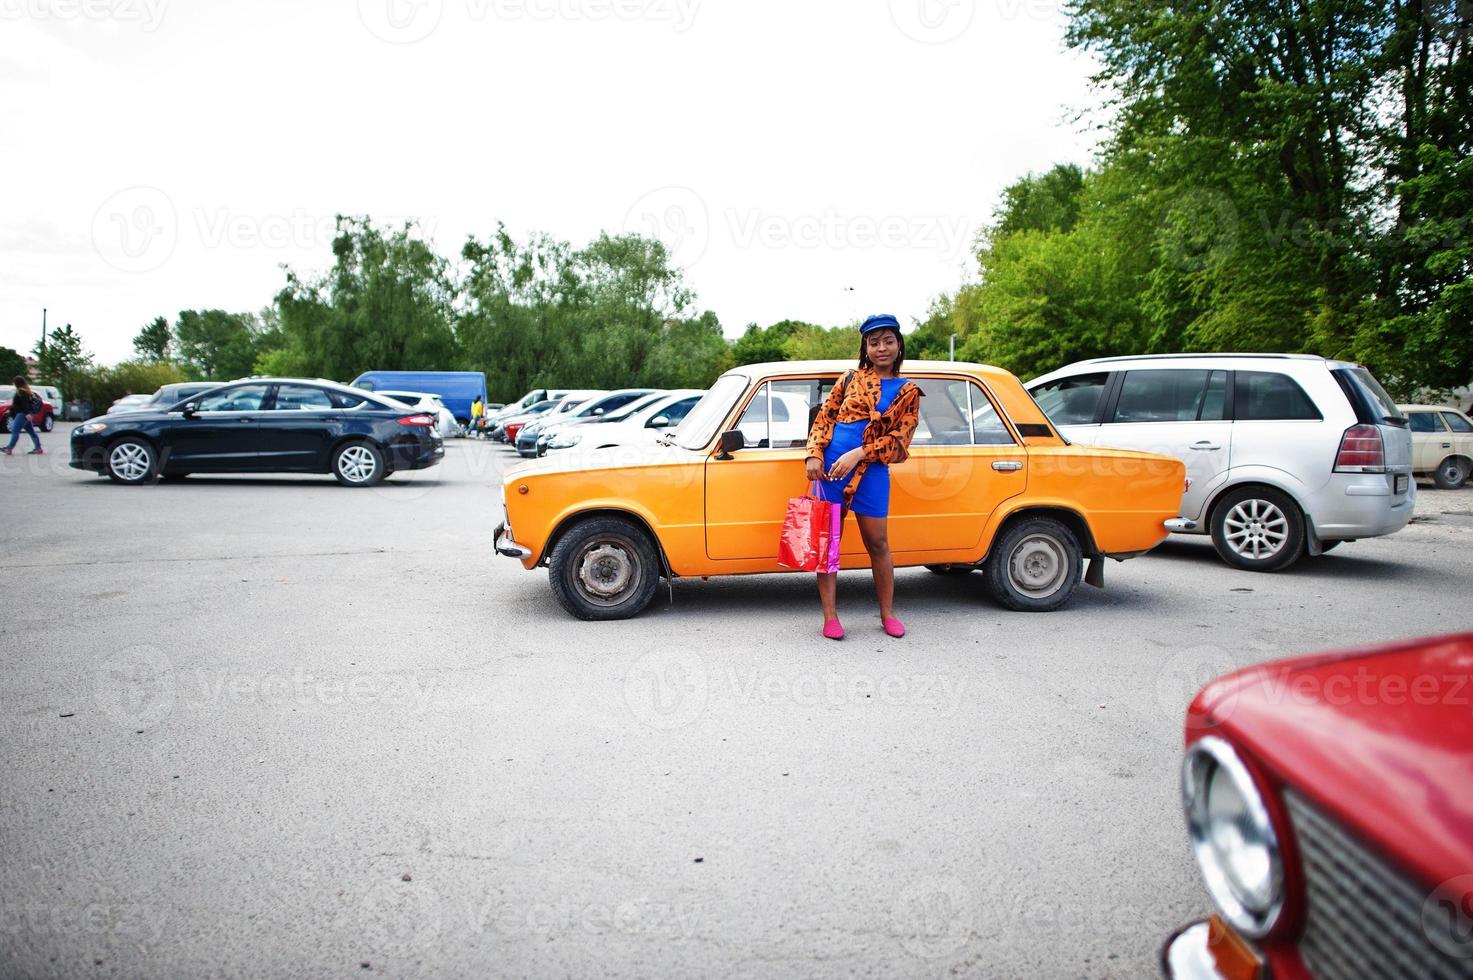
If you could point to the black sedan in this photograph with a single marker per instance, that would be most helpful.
(262, 425)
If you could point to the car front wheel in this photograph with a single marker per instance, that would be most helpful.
(48, 423)
(604, 568)
(358, 464)
(132, 461)
(1451, 474)
(1034, 566)
(1258, 530)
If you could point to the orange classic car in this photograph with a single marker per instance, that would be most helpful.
(990, 485)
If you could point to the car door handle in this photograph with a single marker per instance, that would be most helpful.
(1447, 445)
(1204, 444)
(243, 420)
(1007, 466)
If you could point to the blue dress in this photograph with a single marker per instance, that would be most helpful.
(872, 495)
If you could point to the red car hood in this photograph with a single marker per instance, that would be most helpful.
(1381, 738)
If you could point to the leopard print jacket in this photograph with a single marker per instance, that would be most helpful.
(887, 437)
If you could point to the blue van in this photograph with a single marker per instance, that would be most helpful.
(457, 389)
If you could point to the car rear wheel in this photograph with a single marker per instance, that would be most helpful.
(604, 568)
(132, 461)
(1258, 530)
(358, 464)
(48, 423)
(1451, 473)
(1034, 566)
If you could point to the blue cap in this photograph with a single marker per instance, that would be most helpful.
(880, 321)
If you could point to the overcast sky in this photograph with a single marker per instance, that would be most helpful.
(816, 160)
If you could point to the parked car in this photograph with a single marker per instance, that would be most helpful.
(457, 389)
(446, 423)
(1442, 444)
(617, 415)
(1329, 804)
(1286, 454)
(525, 402)
(640, 425)
(45, 419)
(263, 425)
(989, 485)
(128, 403)
(78, 409)
(170, 395)
(531, 434)
(506, 430)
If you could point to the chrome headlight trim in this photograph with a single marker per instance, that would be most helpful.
(1212, 757)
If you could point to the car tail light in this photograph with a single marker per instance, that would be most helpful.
(417, 420)
(1361, 451)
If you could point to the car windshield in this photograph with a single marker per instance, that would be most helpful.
(697, 428)
(642, 402)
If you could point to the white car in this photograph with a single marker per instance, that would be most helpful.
(1442, 444)
(127, 402)
(446, 425)
(639, 424)
(1286, 454)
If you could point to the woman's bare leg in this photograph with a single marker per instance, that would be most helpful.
(828, 588)
(876, 535)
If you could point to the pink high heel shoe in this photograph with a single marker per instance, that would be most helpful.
(893, 626)
(833, 629)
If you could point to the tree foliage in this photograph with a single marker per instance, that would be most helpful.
(155, 342)
(12, 364)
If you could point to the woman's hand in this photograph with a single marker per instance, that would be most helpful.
(814, 466)
(845, 464)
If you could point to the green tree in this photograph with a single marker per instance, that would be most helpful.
(12, 364)
(217, 345)
(61, 357)
(155, 341)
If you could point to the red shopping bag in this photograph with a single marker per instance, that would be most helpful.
(805, 542)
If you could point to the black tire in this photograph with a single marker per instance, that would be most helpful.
(1034, 566)
(604, 568)
(358, 464)
(132, 461)
(48, 423)
(1451, 473)
(951, 569)
(1258, 529)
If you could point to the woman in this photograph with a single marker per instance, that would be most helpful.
(20, 416)
(865, 424)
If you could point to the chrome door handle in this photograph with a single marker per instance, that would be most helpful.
(1204, 444)
(1447, 445)
(1007, 466)
(242, 420)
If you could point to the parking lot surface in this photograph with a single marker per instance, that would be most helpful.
(273, 727)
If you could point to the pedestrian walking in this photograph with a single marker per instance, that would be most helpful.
(23, 405)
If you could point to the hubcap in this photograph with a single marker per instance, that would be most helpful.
(130, 461)
(357, 463)
(607, 572)
(1452, 472)
(1256, 529)
(1038, 566)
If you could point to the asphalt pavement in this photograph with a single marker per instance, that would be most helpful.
(273, 727)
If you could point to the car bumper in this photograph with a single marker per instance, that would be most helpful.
(1363, 505)
(88, 453)
(1209, 950)
(506, 546)
(416, 455)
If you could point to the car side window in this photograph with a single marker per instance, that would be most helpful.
(1072, 401)
(957, 412)
(246, 398)
(1456, 422)
(1267, 396)
(779, 414)
(674, 412)
(1170, 395)
(300, 398)
(1424, 422)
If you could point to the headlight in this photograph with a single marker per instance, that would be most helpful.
(564, 441)
(92, 427)
(1233, 837)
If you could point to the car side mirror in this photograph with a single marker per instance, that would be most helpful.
(598, 411)
(731, 441)
(190, 408)
(662, 422)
